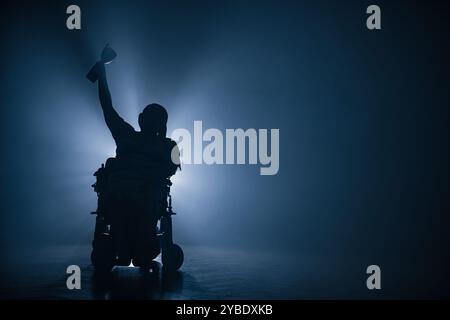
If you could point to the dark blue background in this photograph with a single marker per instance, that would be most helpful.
(363, 118)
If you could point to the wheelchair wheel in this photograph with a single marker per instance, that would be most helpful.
(123, 261)
(173, 257)
(102, 255)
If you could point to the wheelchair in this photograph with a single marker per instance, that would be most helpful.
(105, 254)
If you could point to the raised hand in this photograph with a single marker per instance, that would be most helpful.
(108, 54)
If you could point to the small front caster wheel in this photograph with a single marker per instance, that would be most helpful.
(102, 256)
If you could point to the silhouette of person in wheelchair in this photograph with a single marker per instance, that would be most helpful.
(134, 187)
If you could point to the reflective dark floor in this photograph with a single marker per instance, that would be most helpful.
(208, 273)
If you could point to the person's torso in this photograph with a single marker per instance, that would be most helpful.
(143, 160)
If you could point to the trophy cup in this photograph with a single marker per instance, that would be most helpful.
(107, 56)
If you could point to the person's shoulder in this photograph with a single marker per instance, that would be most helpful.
(127, 131)
(169, 142)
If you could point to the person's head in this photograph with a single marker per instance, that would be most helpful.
(153, 120)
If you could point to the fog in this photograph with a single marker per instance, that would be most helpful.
(362, 117)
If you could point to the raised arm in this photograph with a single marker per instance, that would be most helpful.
(115, 123)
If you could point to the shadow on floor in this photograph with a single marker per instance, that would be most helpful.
(134, 283)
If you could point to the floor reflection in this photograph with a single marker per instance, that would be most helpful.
(213, 273)
(135, 283)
